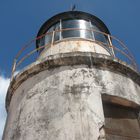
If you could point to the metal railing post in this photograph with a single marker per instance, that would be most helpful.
(13, 69)
(52, 38)
(60, 31)
(92, 32)
(111, 46)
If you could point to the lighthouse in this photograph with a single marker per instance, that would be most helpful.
(83, 85)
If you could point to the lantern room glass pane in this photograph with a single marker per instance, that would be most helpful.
(48, 37)
(76, 28)
(98, 35)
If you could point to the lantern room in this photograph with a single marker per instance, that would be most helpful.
(74, 27)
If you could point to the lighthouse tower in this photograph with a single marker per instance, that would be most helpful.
(83, 85)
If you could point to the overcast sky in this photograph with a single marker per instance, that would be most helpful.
(20, 21)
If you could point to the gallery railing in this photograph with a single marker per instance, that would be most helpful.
(116, 48)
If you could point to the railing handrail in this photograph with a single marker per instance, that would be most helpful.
(110, 45)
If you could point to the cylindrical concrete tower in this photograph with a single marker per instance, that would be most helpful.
(84, 85)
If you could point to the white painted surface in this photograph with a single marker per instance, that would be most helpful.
(67, 46)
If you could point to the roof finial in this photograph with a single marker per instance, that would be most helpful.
(73, 7)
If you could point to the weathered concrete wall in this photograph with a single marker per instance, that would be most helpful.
(65, 103)
(58, 104)
(74, 45)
